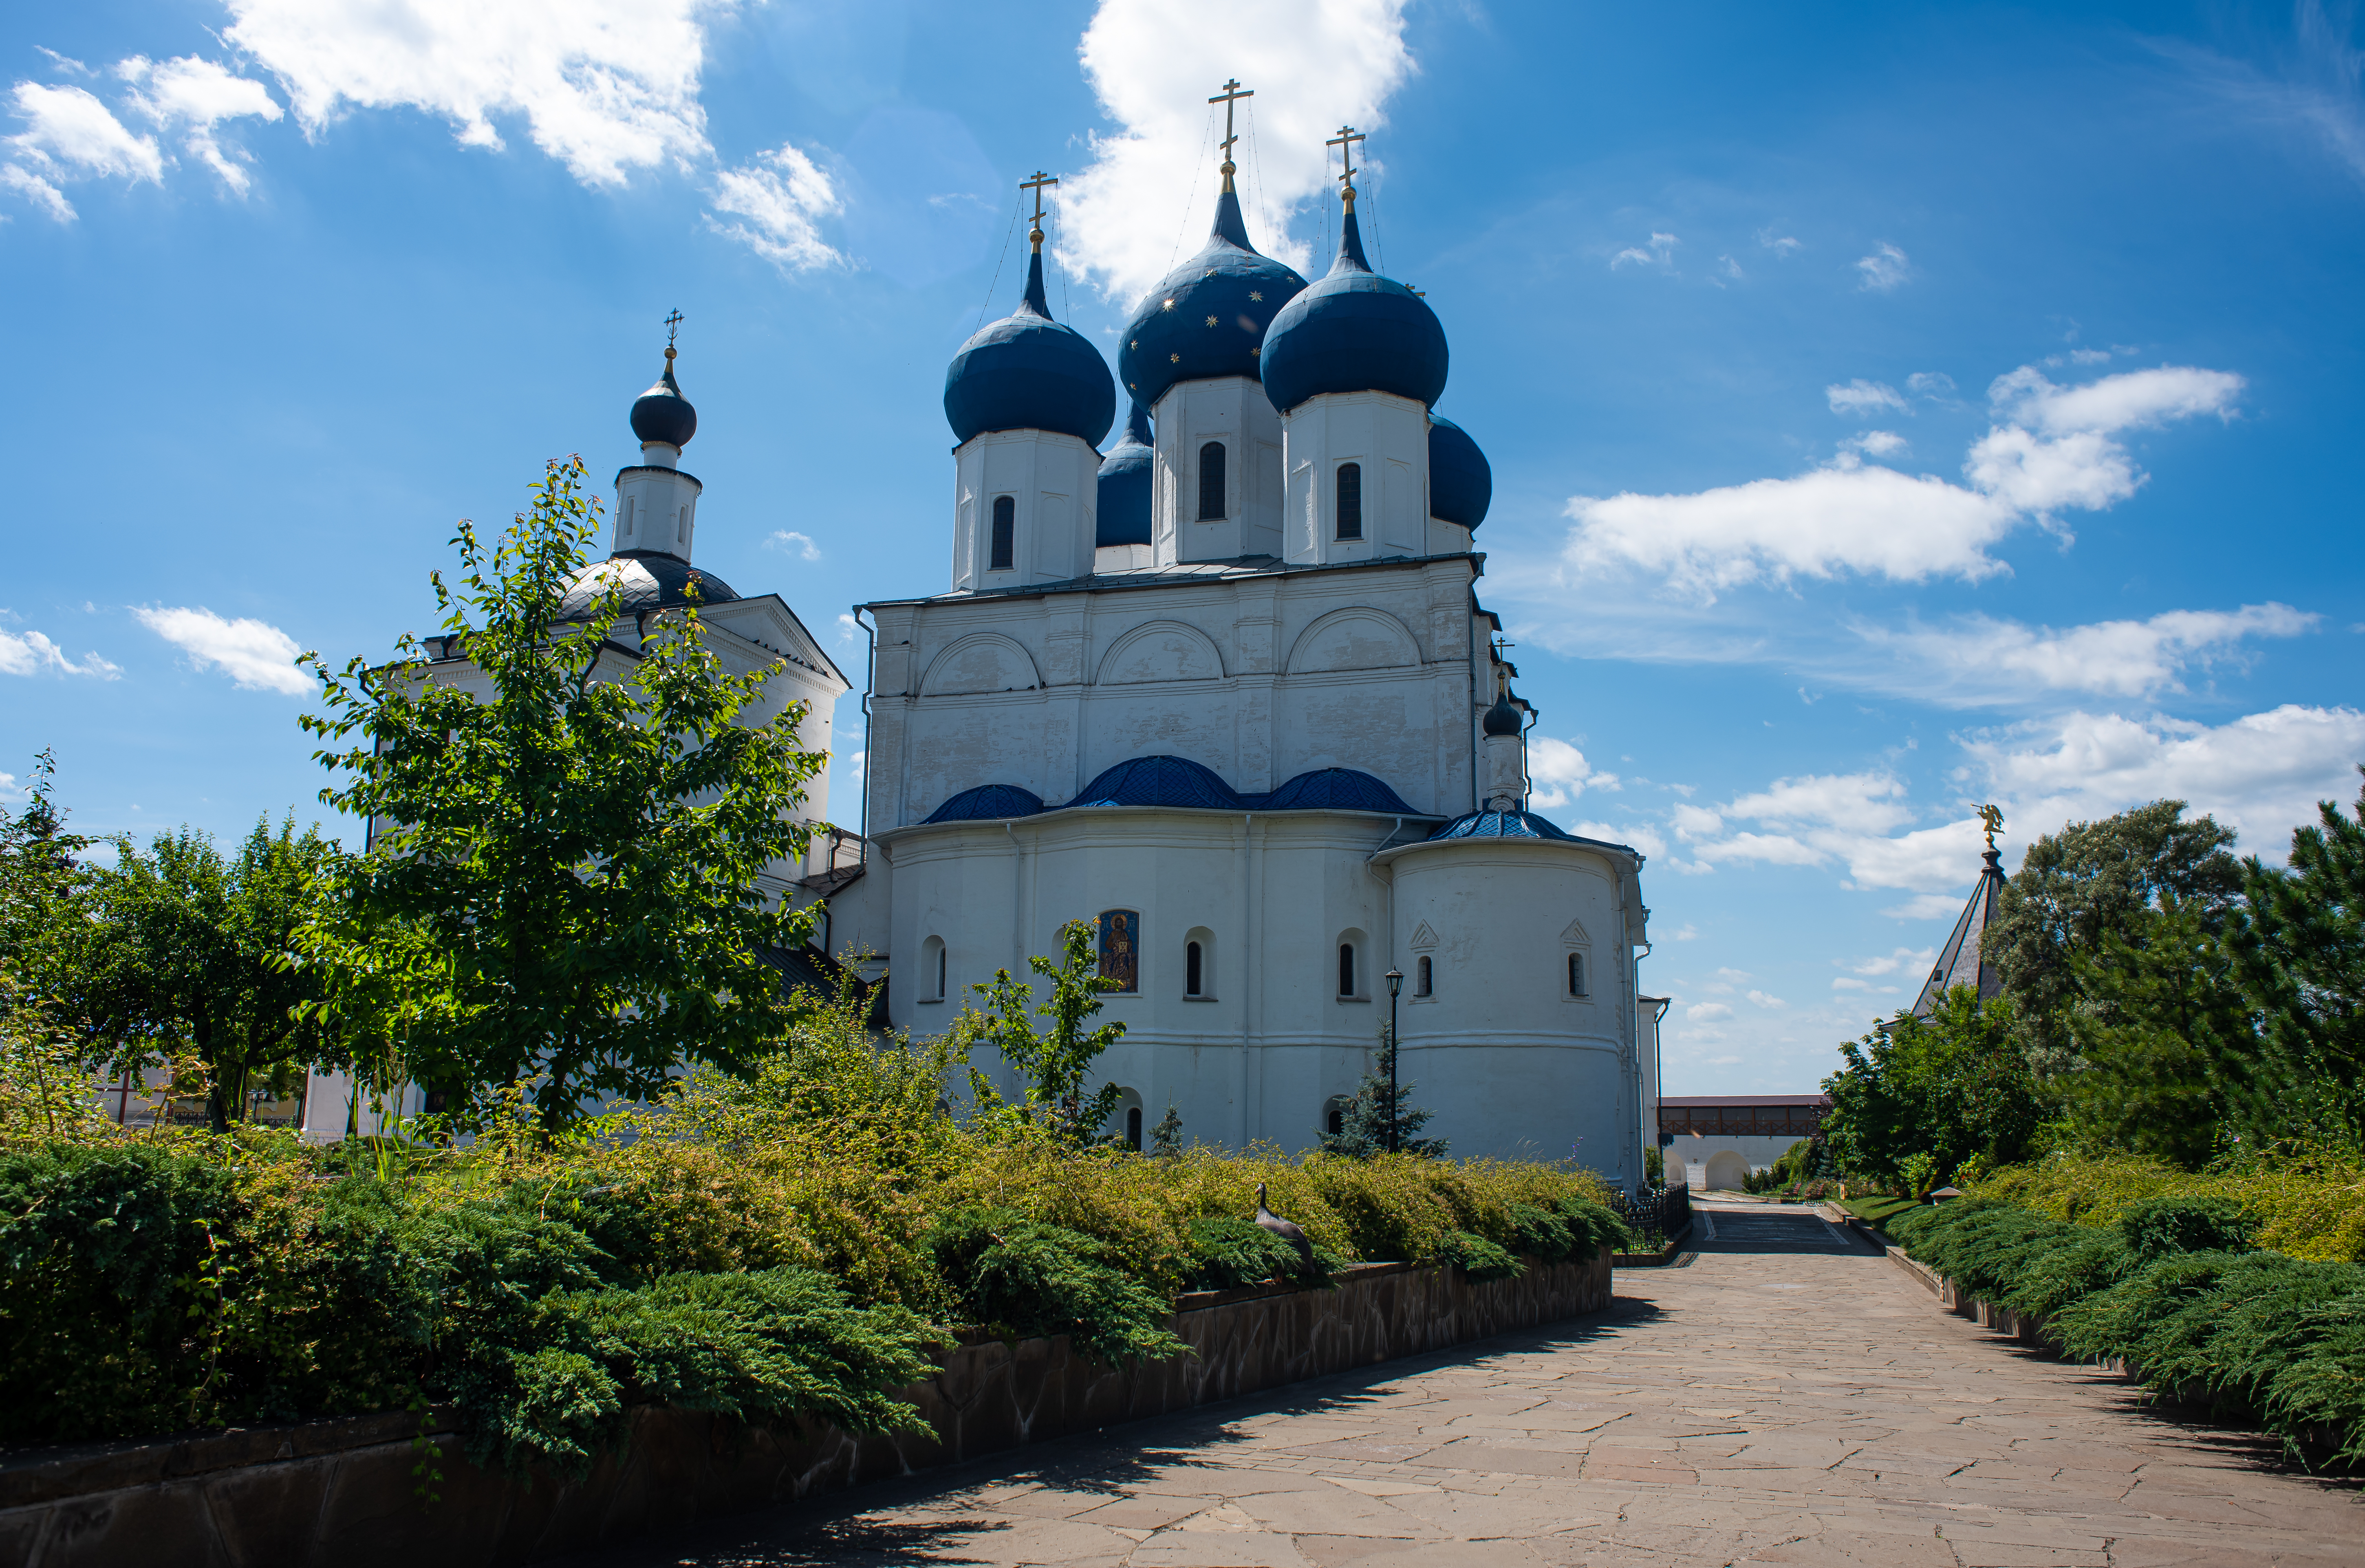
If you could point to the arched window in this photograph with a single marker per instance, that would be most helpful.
(1334, 1114)
(1211, 482)
(1194, 974)
(1577, 974)
(931, 984)
(1420, 984)
(681, 527)
(1346, 968)
(1005, 533)
(1133, 1128)
(1351, 500)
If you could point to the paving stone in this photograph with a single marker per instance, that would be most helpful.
(1710, 1418)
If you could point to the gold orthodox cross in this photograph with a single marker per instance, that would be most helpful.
(672, 325)
(1233, 92)
(1037, 184)
(1345, 142)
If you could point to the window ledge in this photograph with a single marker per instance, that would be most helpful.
(1198, 999)
(929, 1000)
(1355, 998)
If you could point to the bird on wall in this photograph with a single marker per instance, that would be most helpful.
(1286, 1230)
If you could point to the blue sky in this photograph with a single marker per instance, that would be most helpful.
(1892, 409)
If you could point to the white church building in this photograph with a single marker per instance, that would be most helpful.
(1225, 690)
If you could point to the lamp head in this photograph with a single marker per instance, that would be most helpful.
(1395, 982)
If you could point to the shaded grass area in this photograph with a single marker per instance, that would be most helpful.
(1875, 1211)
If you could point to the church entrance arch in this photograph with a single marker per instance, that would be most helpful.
(1726, 1170)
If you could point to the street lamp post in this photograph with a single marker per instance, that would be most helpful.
(1395, 984)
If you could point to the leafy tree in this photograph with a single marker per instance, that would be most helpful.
(186, 947)
(2298, 950)
(1951, 1085)
(2088, 880)
(42, 876)
(1054, 1063)
(562, 886)
(1377, 1112)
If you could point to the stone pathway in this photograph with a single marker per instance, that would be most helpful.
(1789, 1396)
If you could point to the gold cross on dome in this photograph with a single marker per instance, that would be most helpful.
(1037, 184)
(672, 325)
(1345, 142)
(1232, 93)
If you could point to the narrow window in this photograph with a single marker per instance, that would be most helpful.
(1211, 482)
(1346, 968)
(1005, 533)
(1192, 972)
(629, 501)
(1420, 980)
(1133, 1128)
(940, 974)
(1577, 974)
(1334, 1119)
(681, 528)
(1351, 500)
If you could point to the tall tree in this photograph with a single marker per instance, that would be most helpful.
(2299, 954)
(186, 947)
(1381, 1117)
(2088, 880)
(42, 876)
(1951, 1085)
(1055, 1062)
(562, 888)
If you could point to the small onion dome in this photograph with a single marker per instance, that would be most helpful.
(1028, 372)
(1502, 825)
(989, 803)
(646, 580)
(1125, 483)
(1504, 718)
(1460, 485)
(1354, 331)
(1208, 317)
(662, 414)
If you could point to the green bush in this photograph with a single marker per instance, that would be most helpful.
(1477, 1257)
(2176, 1292)
(1024, 1280)
(1228, 1252)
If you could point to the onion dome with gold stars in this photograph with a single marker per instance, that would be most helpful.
(1209, 319)
(1354, 331)
(1125, 483)
(1028, 372)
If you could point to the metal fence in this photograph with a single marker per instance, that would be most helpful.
(1656, 1215)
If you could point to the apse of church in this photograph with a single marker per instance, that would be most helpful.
(1226, 691)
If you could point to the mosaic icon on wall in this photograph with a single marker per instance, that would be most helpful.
(1121, 947)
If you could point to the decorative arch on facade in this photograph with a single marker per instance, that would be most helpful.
(1358, 637)
(1161, 650)
(1725, 1171)
(982, 661)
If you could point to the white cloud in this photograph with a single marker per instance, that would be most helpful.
(805, 550)
(1688, 933)
(1876, 443)
(2054, 450)
(848, 629)
(1311, 63)
(1872, 801)
(1927, 906)
(1914, 958)
(1884, 269)
(1976, 660)
(604, 87)
(1842, 982)
(1766, 1001)
(1559, 773)
(780, 195)
(1780, 245)
(1660, 253)
(1637, 835)
(30, 653)
(194, 95)
(1932, 384)
(2262, 774)
(69, 135)
(1861, 397)
(254, 654)
(1695, 821)
(1707, 1011)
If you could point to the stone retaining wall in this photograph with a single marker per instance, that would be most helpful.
(343, 1493)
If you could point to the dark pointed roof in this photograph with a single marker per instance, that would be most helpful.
(1961, 961)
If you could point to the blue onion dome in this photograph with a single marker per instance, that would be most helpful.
(1354, 331)
(662, 414)
(1125, 483)
(1460, 485)
(1209, 317)
(1028, 372)
(1337, 790)
(1504, 718)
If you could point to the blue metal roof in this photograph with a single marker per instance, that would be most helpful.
(1208, 316)
(988, 802)
(1461, 481)
(1124, 481)
(1159, 781)
(1335, 788)
(1354, 331)
(1503, 824)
